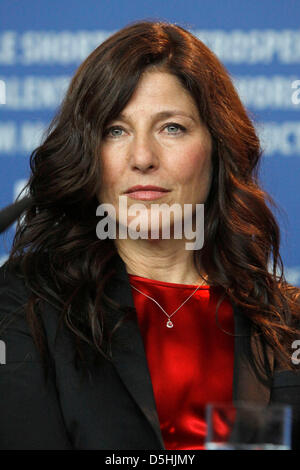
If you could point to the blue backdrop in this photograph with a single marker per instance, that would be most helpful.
(42, 42)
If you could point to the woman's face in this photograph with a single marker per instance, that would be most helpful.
(158, 140)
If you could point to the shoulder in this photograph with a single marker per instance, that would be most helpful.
(14, 329)
(13, 291)
(20, 331)
(12, 281)
(15, 286)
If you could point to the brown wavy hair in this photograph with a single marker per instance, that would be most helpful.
(242, 238)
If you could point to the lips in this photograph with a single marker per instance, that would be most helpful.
(146, 193)
(146, 188)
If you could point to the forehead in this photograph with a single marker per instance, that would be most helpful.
(158, 90)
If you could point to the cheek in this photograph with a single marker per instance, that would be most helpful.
(110, 180)
(195, 164)
(111, 172)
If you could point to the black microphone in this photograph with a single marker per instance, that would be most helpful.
(10, 213)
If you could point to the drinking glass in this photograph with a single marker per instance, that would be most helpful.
(248, 426)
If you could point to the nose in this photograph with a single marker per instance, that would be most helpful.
(144, 154)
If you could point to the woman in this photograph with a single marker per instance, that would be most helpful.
(119, 342)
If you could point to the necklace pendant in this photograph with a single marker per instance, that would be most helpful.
(169, 324)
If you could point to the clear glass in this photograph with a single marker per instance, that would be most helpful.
(248, 426)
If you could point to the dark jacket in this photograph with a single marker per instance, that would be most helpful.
(113, 408)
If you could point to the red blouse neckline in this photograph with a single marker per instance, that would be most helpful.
(165, 283)
(190, 364)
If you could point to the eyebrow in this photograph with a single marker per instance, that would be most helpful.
(161, 115)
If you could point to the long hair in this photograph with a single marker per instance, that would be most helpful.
(242, 238)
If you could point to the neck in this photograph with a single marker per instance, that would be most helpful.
(162, 260)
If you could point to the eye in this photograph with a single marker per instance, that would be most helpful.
(173, 127)
(113, 129)
(116, 131)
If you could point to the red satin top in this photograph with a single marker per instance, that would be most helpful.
(190, 364)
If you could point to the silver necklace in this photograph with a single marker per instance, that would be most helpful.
(169, 323)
